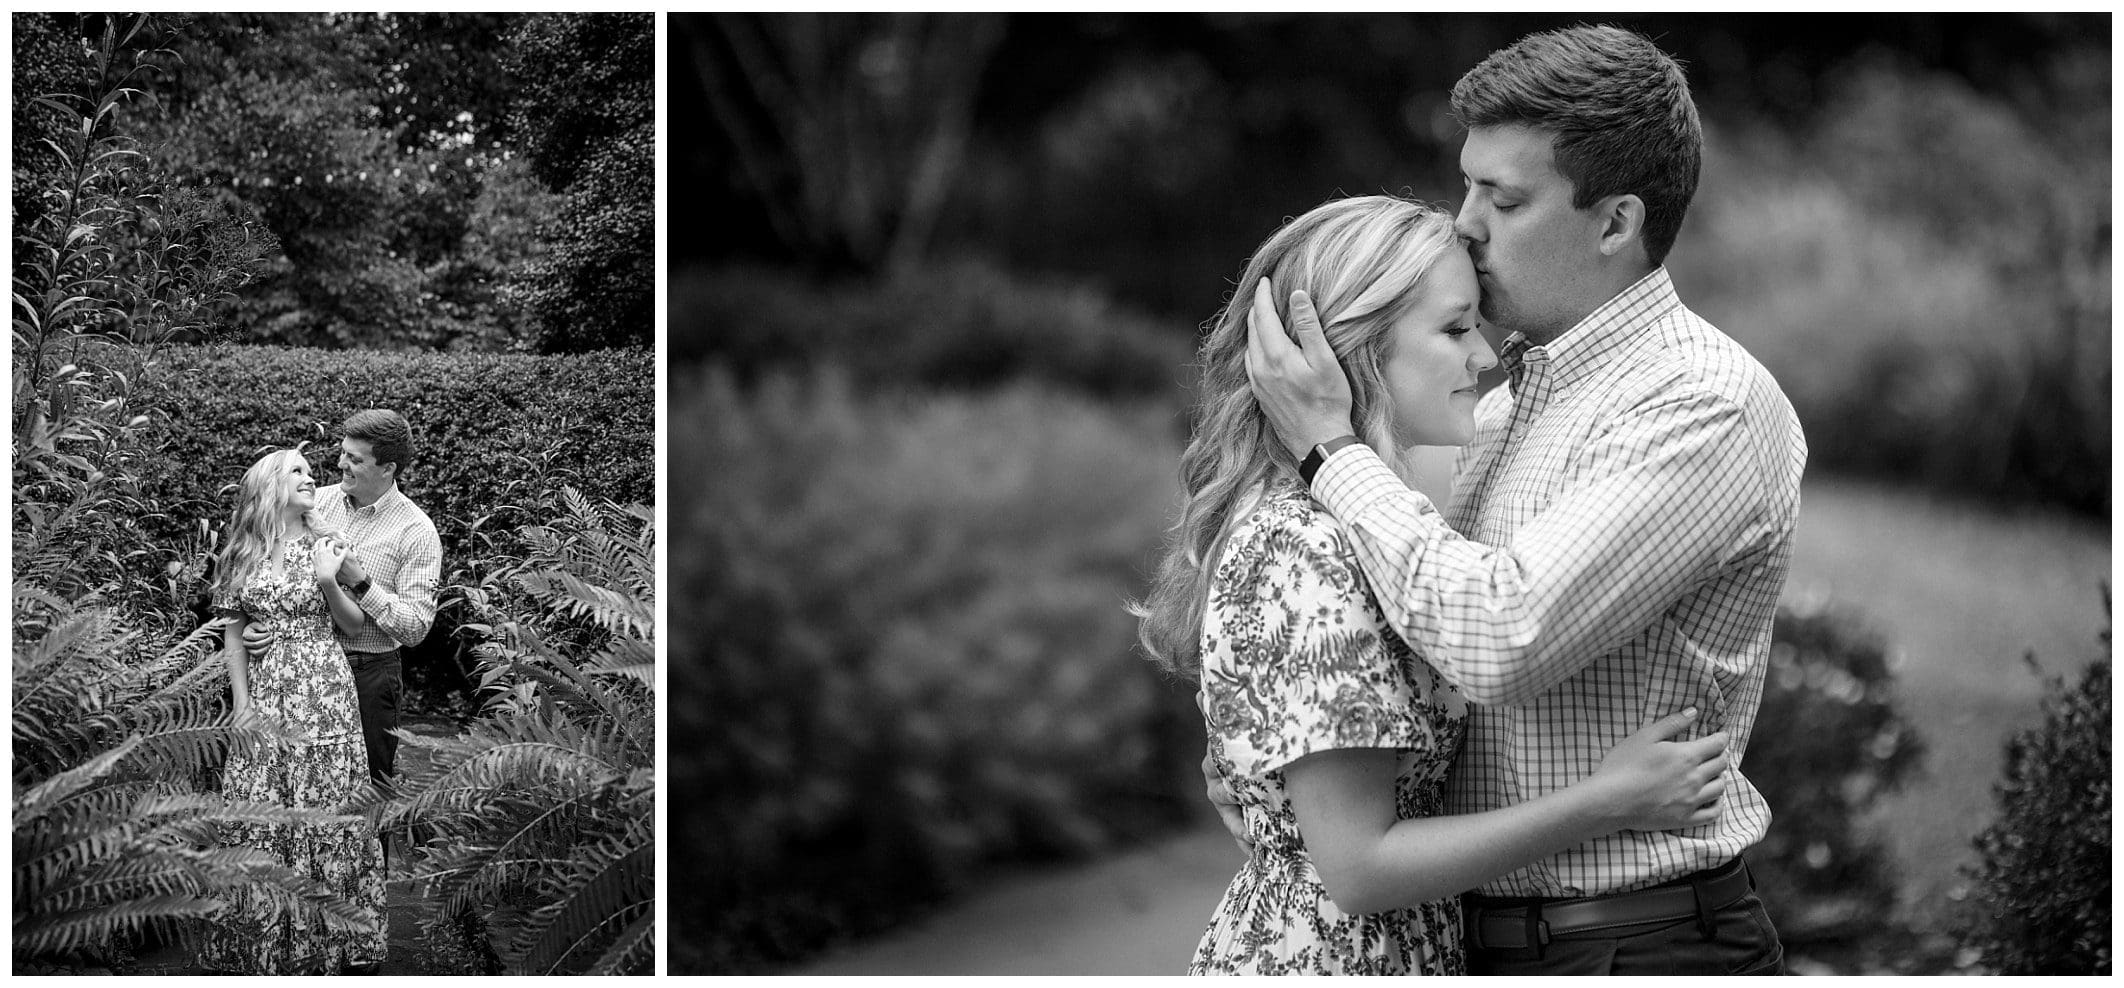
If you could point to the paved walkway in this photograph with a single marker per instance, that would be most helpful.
(1140, 912)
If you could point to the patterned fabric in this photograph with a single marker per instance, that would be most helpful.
(1297, 660)
(1627, 509)
(303, 683)
(397, 546)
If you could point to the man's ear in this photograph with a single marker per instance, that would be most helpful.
(1622, 223)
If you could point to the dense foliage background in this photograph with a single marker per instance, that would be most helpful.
(935, 281)
(231, 231)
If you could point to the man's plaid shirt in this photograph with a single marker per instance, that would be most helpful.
(1627, 507)
(398, 547)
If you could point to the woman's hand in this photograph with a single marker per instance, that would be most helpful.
(326, 556)
(1650, 783)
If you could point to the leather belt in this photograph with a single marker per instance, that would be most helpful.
(1521, 924)
(359, 659)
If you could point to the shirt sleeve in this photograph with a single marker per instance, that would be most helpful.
(1307, 667)
(1647, 511)
(407, 611)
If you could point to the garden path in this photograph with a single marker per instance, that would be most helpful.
(1961, 591)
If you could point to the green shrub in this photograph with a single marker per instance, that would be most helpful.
(962, 325)
(2043, 880)
(479, 421)
(902, 649)
(1828, 744)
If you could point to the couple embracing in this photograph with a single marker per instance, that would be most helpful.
(319, 589)
(1504, 736)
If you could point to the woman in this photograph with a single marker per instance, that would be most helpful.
(278, 568)
(1335, 737)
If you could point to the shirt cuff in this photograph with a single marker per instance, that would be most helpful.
(1354, 480)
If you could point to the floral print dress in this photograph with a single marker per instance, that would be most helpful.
(302, 682)
(1297, 658)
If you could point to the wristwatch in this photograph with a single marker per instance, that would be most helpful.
(1311, 464)
(357, 591)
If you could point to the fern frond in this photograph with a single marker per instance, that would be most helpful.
(590, 896)
(632, 952)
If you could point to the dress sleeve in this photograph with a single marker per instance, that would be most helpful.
(224, 604)
(1301, 661)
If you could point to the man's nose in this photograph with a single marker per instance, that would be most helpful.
(1465, 223)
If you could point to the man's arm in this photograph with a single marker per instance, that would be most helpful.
(1648, 512)
(406, 612)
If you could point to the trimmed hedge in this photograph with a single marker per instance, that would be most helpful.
(961, 325)
(902, 651)
(482, 422)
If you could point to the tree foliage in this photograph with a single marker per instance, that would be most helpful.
(585, 114)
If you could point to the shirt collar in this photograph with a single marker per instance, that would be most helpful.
(384, 500)
(1608, 331)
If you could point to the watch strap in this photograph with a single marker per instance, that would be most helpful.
(1315, 459)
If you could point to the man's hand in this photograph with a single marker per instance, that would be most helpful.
(1302, 387)
(350, 571)
(258, 635)
(1226, 804)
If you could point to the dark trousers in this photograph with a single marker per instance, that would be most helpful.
(377, 684)
(1742, 941)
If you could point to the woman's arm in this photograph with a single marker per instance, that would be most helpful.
(1370, 861)
(239, 664)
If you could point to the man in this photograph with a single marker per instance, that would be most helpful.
(391, 571)
(1619, 530)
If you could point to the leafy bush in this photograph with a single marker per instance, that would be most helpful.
(2043, 904)
(963, 325)
(1828, 743)
(902, 651)
(479, 420)
(1949, 328)
(539, 820)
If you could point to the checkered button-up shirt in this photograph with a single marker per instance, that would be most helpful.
(1618, 535)
(397, 546)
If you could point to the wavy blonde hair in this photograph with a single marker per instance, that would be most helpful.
(1359, 259)
(257, 526)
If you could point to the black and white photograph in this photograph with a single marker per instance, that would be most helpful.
(1274, 493)
(334, 404)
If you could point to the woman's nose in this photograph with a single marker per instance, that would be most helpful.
(1484, 357)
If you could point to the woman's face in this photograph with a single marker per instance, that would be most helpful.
(302, 489)
(1434, 356)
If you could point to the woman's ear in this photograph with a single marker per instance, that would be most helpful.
(1622, 223)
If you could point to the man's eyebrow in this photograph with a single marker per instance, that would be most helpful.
(1504, 187)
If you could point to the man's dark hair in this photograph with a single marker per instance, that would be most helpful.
(1619, 107)
(387, 434)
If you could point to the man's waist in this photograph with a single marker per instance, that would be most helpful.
(1518, 923)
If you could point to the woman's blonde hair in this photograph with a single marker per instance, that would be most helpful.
(258, 525)
(1359, 259)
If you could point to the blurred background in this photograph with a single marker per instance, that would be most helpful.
(934, 284)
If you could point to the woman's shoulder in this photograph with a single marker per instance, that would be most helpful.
(1289, 522)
